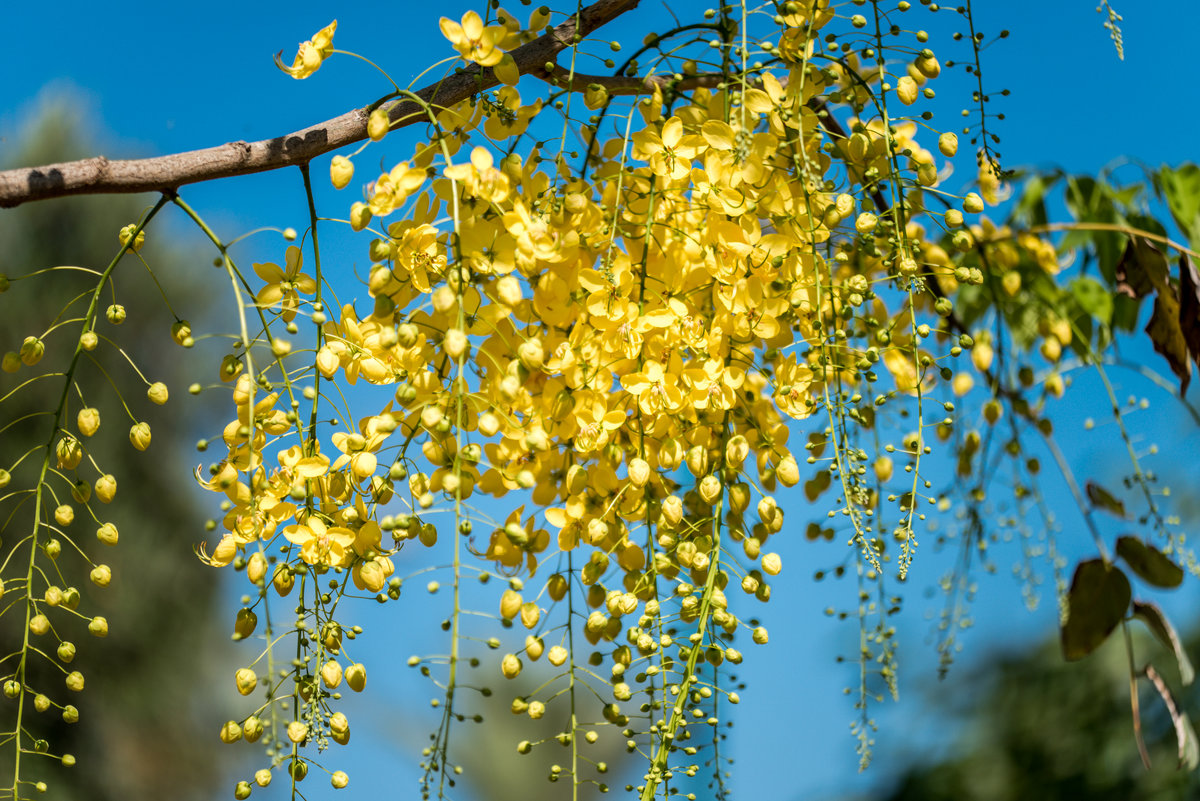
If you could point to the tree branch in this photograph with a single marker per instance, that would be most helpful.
(99, 175)
(625, 85)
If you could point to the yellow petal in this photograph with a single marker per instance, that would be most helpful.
(506, 70)
(451, 30)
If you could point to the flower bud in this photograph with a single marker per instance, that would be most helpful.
(231, 732)
(378, 124)
(252, 729)
(32, 350)
(510, 604)
(139, 436)
(74, 681)
(907, 90)
(759, 635)
(98, 627)
(127, 234)
(283, 580)
(106, 488)
(557, 587)
(5, 477)
(244, 624)
(107, 534)
(672, 509)
(331, 674)
(972, 203)
(510, 666)
(12, 688)
(262, 777)
(360, 215)
(639, 472)
(181, 332)
(948, 144)
(883, 468)
(736, 451)
(557, 655)
(11, 362)
(341, 170)
(242, 790)
(89, 340)
(508, 290)
(787, 471)
(530, 614)
(697, 460)
(82, 491)
(455, 343)
(39, 624)
(157, 393)
(64, 514)
(66, 651)
(772, 564)
(534, 647)
(866, 223)
(115, 314)
(101, 575)
(339, 779)
(710, 489)
(88, 421)
(297, 732)
(356, 677)
(69, 453)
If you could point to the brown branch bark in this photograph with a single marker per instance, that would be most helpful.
(99, 175)
(626, 85)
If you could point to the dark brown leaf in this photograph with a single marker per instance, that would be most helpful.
(1149, 562)
(1103, 499)
(1168, 337)
(1141, 270)
(1157, 622)
(1189, 306)
(1096, 603)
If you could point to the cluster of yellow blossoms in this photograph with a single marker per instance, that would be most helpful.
(624, 343)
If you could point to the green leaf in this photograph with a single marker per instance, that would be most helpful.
(1157, 622)
(1096, 603)
(1103, 499)
(1093, 298)
(1089, 201)
(1151, 565)
(1182, 189)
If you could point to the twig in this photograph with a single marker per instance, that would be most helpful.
(99, 175)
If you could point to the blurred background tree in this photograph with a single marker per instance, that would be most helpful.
(1041, 729)
(143, 711)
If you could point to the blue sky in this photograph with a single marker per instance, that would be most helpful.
(159, 78)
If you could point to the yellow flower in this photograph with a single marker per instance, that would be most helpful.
(473, 41)
(283, 283)
(669, 153)
(311, 53)
(321, 544)
(655, 389)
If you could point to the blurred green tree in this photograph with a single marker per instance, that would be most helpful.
(1041, 729)
(141, 722)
